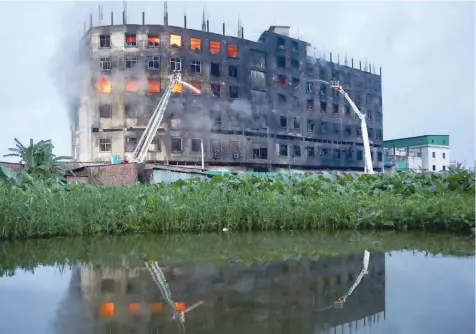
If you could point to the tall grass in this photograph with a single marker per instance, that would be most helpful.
(397, 201)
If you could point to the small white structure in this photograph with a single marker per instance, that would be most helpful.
(423, 153)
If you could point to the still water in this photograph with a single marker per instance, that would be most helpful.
(260, 283)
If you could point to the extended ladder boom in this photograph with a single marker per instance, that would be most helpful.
(363, 124)
(154, 122)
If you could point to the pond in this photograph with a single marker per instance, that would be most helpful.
(240, 283)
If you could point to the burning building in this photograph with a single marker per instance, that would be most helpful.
(262, 106)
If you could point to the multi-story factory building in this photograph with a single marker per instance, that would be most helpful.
(261, 107)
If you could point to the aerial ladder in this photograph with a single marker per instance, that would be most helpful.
(150, 131)
(368, 167)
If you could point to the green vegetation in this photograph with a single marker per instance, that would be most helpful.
(39, 163)
(399, 201)
(246, 248)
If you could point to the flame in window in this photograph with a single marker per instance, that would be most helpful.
(214, 47)
(195, 44)
(154, 86)
(104, 85)
(131, 39)
(177, 88)
(132, 85)
(134, 308)
(153, 39)
(107, 309)
(180, 306)
(232, 51)
(175, 41)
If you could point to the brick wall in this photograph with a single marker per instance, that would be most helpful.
(70, 179)
(114, 175)
(11, 165)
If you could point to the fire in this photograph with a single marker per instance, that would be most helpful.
(154, 86)
(104, 85)
(195, 44)
(107, 309)
(177, 88)
(176, 41)
(214, 47)
(132, 85)
(153, 39)
(134, 308)
(180, 306)
(131, 39)
(232, 51)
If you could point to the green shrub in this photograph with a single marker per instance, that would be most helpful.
(397, 201)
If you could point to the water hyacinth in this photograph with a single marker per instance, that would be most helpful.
(397, 201)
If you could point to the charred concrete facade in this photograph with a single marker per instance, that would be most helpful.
(259, 109)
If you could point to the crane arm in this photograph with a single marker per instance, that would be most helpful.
(363, 125)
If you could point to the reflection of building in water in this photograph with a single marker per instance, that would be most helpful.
(122, 299)
(279, 297)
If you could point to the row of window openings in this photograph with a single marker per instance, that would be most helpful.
(324, 152)
(310, 88)
(283, 123)
(346, 78)
(153, 41)
(215, 47)
(153, 63)
(132, 85)
(310, 106)
(105, 145)
(443, 155)
(105, 111)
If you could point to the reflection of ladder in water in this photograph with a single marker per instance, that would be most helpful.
(339, 303)
(159, 279)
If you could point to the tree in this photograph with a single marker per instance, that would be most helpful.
(39, 160)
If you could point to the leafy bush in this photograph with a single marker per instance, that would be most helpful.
(397, 201)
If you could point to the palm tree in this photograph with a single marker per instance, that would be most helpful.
(39, 160)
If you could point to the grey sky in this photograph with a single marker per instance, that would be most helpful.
(426, 50)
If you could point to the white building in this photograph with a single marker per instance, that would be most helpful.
(422, 153)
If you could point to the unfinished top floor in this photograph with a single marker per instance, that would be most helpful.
(274, 42)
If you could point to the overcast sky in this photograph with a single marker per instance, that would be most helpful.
(426, 50)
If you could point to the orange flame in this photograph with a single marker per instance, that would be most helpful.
(154, 86)
(214, 47)
(195, 44)
(107, 309)
(232, 51)
(104, 85)
(177, 88)
(134, 308)
(176, 41)
(131, 39)
(153, 39)
(180, 306)
(132, 85)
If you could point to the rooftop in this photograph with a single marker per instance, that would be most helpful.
(440, 140)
